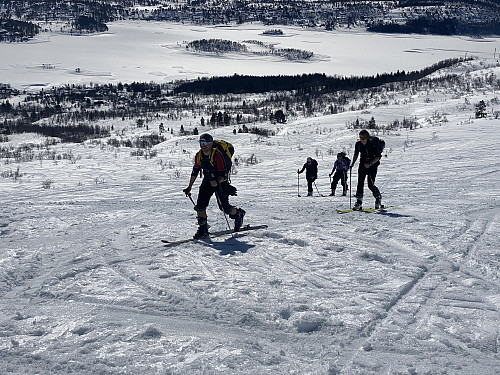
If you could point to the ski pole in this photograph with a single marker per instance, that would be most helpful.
(345, 180)
(189, 195)
(350, 187)
(298, 185)
(222, 207)
(314, 182)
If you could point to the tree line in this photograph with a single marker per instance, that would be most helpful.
(78, 133)
(67, 112)
(89, 24)
(17, 31)
(479, 17)
(431, 25)
(317, 82)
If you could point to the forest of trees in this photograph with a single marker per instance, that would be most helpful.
(310, 83)
(221, 46)
(481, 17)
(273, 32)
(76, 133)
(216, 46)
(430, 25)
(89, 24)
(6, 91)
(17, 31)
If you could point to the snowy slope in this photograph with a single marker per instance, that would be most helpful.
(88, 288)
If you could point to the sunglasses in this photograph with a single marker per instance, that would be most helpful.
(204, 143)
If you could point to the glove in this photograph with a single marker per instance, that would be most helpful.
(231, 190)
(187, 191)
(298, 171)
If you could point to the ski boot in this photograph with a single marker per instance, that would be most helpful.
(202, 231)
(238, 219)
(358, 206)
(309, 193)
(333, 193)
(344, 192)
(378, 202)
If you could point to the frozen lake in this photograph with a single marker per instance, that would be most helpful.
(152, 51)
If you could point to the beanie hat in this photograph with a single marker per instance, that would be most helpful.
(206, 137)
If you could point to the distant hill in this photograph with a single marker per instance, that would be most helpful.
(450, 17)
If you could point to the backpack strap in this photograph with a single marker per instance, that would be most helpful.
(197, 158)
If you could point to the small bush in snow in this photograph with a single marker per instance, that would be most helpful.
(11, 174)
(47, 184)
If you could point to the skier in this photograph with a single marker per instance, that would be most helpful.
(339, 172)
(210, 160)
(371, 154)
(311, 167)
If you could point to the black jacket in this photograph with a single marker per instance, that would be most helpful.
(367, 153)
(311, 169)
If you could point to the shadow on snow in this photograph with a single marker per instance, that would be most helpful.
(230, 245)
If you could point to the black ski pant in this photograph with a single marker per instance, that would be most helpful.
(207, 190)
(310, 180)
(342, 176)
(369, 174)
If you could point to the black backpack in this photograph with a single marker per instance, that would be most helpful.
(378, 145)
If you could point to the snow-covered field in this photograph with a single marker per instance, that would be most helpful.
(88, 288)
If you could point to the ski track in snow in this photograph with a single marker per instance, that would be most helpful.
(84, 275)
(361, 320)
(88, 288)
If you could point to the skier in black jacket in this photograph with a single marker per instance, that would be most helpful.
(311, 167)
(370, 156)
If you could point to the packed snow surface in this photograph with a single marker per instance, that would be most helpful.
(88, 288)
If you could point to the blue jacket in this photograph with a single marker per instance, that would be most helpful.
(341, 166)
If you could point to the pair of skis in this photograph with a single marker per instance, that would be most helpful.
(248, 228)
(221, 233)
(381, 209)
